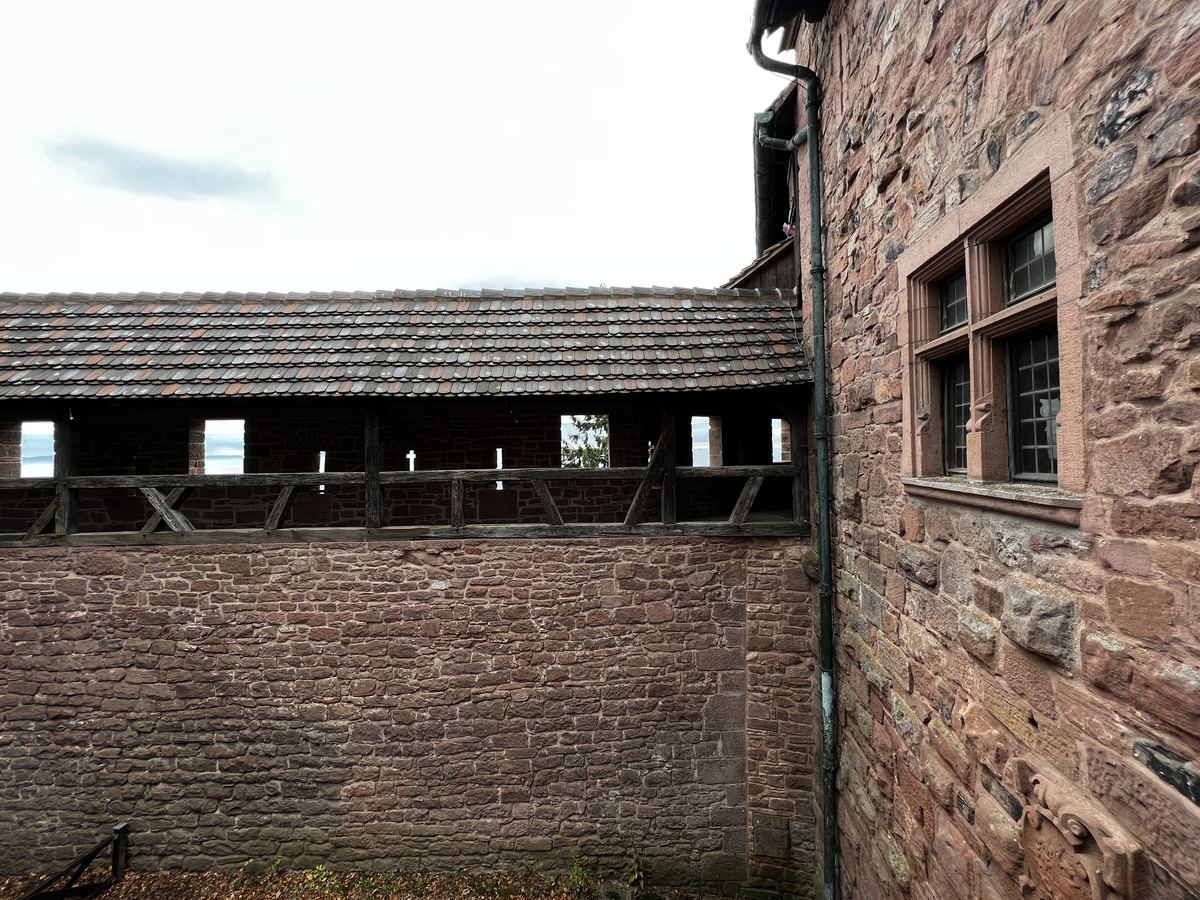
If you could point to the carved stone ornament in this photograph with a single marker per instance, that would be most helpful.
(1074, 848)
(981, 415)
(923, 421)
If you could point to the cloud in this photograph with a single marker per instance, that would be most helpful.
(139, 172)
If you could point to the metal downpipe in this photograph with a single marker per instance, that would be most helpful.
(812, 138)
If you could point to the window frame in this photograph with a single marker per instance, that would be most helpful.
(1038, 183)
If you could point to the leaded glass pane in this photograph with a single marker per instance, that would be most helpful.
(1030, 262)
(956, 413)
(1035, 406)
(954, 301)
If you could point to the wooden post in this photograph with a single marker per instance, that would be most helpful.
(120, 850)
(373, 464)
(797, 422)
(653, 467)
(457, 519)
(667, 497)
(66, 515)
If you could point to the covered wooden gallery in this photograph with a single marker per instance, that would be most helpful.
(400, 414)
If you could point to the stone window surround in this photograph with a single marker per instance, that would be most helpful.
(1040, 176)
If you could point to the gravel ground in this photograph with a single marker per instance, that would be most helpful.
(321, 884)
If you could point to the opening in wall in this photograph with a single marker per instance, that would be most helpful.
(700, 441)
(499, 465)
(777, 440)
(224, 446)
(321, 469)
(584, 442)
(37, 449)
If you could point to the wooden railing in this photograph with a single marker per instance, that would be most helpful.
(167, 496)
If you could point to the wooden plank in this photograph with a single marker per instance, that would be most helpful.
(283, 504)
(543, 492)
(745, 500)
(372, 465)
(457, 519)
(624, 473)
(270, 479)
(667, 500)
(42, 522)
(174, 519)
(233, 536)
(427, 476)
(642, 494)
(174, 500)
(66, 513)
(25, 484)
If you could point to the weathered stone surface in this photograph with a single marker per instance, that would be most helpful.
(1167, 825)
(918, 563)
(1177, 771)
(1041, 619)
(1141, 609)
(977, 635)
(1168, 690)
(1113, 171)
(999, 833)
(1126, 107)
(452, 704)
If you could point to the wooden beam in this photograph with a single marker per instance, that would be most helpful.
(667, 499)
(271, 479)
(66, 515)
(372, 465)
(457, 519)
(543, 492)
(42, 522)
(174, 519)
(283, 504)
(174, 500)
(642, 494)
(745, 500)
(235, 536)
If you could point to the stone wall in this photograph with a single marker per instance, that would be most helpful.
(437, 706)
(990, 661)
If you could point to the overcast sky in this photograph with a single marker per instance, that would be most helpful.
(364, 145)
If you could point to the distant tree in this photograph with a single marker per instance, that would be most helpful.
(585, 443)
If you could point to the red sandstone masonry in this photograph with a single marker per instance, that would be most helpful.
(437, 705)
(946, 677)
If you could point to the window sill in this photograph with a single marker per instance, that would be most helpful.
(1031, 501)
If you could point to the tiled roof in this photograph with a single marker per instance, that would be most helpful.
(398, 343)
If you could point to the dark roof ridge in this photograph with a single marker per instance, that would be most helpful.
(593, 293)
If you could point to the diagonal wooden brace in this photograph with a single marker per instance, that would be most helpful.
(283, 504)
(165, 510)
(44, 521)
(543, 492)
(745, 500)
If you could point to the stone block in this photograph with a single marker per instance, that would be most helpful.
(1141, 609)
(908, 723)
(1166, 823)
(977, 635)
(918, 563)
(1107, 662)
(999, 833)
(1042, 619)
(950, 748)
(1167, 690)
